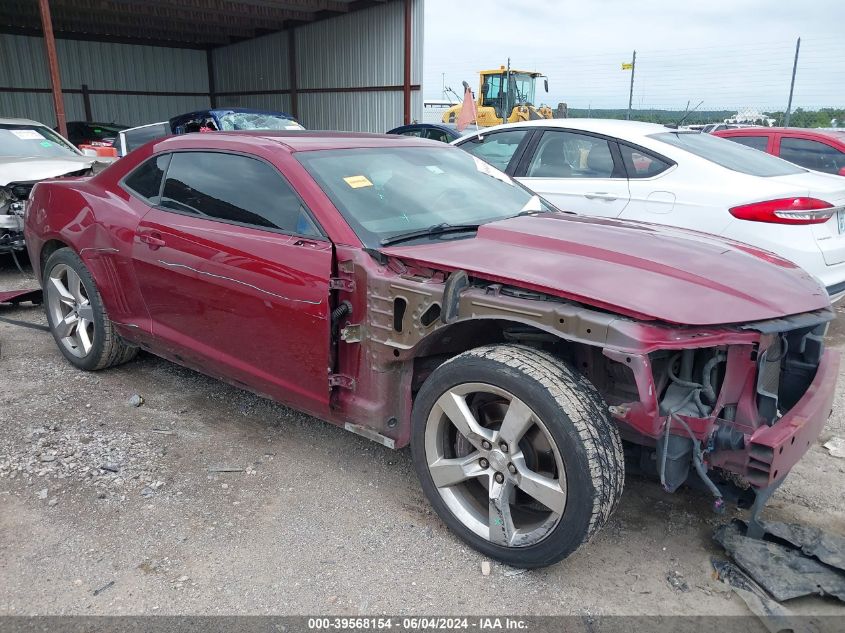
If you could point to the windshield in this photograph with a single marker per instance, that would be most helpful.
(256, 121)
(387, 192)
(730, 155)
(521, 88)
(26, 141)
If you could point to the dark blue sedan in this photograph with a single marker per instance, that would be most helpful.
(435, 131)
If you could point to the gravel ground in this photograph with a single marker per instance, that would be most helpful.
(111, 508)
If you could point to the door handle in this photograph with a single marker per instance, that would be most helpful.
(153, 240)
(600, 195)
(301, 242)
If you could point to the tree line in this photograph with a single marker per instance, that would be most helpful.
(823, 117)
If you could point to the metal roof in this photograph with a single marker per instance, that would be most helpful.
(188, 23)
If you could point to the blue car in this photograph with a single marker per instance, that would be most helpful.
(435, 131)
(222, 119)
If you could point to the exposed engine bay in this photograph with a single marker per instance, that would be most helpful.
(13, 196)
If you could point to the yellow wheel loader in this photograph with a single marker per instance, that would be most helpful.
(505, 96)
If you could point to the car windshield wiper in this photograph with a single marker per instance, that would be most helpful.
(437, 229)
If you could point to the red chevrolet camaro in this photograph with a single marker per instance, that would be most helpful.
(411, 293)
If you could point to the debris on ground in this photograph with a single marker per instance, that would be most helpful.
(98, 454)
(774, 616)
(97, 592)
(485, 568)
(783, 571)
(135, 400)
(676, 581)
(836, 447)
(828, 548)
(225, 469)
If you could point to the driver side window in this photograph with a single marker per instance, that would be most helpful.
(497, 149)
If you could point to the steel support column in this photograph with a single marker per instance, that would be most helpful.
(406, 88)
(53, 63)
(294, 100)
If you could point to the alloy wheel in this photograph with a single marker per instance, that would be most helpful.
(71, 314)
(495, 464)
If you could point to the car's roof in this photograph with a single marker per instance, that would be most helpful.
(294, 141)
(611, 127)
(834, 134)
(20, 122)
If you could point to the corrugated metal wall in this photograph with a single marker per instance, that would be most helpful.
(364, 49)
(102, 66)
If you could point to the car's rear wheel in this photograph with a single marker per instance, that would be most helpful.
(77, 317)
(517, 453)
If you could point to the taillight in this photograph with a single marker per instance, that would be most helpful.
(786, 211)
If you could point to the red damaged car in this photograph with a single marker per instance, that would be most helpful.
(413, 294)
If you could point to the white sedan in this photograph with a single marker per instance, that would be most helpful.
(652, 173)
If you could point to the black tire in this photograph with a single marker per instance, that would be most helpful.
(576, 417)
(107, 348)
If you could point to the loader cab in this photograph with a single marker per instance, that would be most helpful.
(519, 87)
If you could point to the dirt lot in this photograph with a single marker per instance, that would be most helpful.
(96, 491)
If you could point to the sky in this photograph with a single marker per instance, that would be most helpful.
(727, 55)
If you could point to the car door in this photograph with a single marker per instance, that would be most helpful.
(234, 272)
(812, 154)
(502, 149)
(576, 172)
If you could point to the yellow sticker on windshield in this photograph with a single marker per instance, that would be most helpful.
(356, 182)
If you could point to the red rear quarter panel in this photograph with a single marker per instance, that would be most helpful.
(96, 219)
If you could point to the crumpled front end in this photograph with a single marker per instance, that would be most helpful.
(749, 408)
(12, 199)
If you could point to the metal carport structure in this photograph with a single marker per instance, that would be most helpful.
(335, 64)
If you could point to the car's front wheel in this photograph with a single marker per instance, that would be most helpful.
(517, 453)
(77, 317)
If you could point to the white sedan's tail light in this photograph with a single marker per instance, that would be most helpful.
(786, 211)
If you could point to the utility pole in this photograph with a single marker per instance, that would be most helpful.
(443, 86)
(792, 84)
(631, 90)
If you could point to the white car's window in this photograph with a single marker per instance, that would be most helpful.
(639, 164)
(571, 155)
(812, 154)
(729, 155)
(497, 148)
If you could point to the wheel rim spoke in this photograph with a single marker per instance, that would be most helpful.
(500, 521)
(448, 472)
(74, 285)
(82, 335)
(456, 409)
(67, 326)
(518, 419)
(64, 295)
(550, 492)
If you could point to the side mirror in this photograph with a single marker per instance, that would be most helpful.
(546, 84)
(842, 172)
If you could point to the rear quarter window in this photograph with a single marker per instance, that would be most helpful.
(145, 180)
